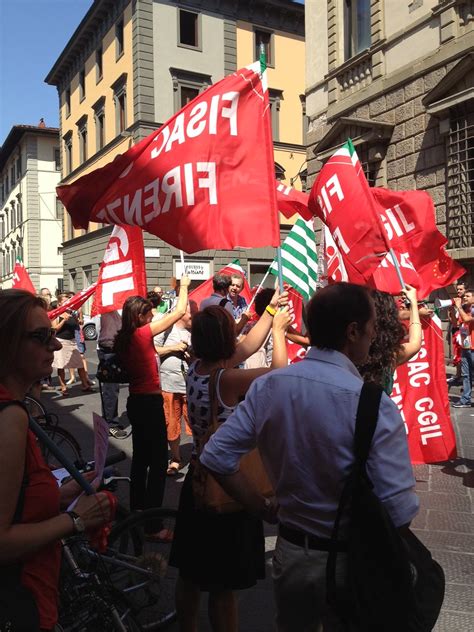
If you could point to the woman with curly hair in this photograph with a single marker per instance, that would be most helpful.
(388, 349)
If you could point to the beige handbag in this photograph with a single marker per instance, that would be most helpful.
(208, 494)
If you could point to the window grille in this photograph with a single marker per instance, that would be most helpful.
(460, 177)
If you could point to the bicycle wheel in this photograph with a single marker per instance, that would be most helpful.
(138, 566)
(65, 442)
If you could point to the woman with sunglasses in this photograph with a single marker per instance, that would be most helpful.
(136, 351)
(32, 507)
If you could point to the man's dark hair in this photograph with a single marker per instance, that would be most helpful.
(220, 282)
(332, 309)
(263, 299)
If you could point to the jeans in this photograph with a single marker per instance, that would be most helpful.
(150, 451)
(109, 394)
(299, 583)
(466, 373)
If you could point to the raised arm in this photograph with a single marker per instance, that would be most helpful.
(258, 334)
(465, 316)
(415, 332)
(157, 326)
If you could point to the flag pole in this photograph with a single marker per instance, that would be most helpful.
(259, 288)
(263, 67)
(397, 268)
(183, 271)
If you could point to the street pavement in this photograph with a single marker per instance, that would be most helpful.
(445, 522)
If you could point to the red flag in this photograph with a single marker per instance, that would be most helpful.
(421, 394)
(122, 272)
(409, 221)
(204, 180)
(291, 201)
(205, 289)
(21, 278)
(74, 302)
(341, 198)
(295, 351)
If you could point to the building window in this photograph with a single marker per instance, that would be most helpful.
(188, 32)
(7, 184)
(12, 175)
(265, 38)
(57, 159)
(98, 64)
(19, 209)
(120, 101)
(369, 167)
(2, 229)
(99, 119)
(258, 272)
(119, 41)
(82, 133)
(18, 168)
(279, 172)
(67, 101)
(82, 85)
(59, 209)
(356, 27)
(460, 177)
(187, 86)
(68, 151)
(275, 97)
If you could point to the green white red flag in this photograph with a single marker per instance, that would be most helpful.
(341, 198)
(205, 289)
(204, 180)
(299, 259)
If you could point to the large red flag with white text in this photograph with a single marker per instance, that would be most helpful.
(204, 180)
(205, 289)
(122, 272)
(409, 222)
(341, 198)
(75, 302)
(21, 278)
(421, 394)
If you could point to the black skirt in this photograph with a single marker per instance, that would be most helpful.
(217, 551)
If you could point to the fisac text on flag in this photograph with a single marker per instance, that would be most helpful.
(204, 180)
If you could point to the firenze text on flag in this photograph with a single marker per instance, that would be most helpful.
(204, 180)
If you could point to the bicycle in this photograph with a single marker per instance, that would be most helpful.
(49, 422)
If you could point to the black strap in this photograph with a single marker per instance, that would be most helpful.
(223, 302)
(366, 422)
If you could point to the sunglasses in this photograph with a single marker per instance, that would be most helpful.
(43, 335)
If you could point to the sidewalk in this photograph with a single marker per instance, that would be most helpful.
(445, 522)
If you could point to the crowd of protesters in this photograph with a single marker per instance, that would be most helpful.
(189, 364)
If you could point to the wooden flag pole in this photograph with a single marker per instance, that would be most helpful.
(183, 271)
(259, 288)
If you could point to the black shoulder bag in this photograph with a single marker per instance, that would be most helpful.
(392, 583)
(18, 610)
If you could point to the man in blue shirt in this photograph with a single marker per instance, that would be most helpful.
(302, 419)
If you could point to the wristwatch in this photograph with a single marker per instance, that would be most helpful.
(78, 522)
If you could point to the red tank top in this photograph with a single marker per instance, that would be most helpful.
(40, 572)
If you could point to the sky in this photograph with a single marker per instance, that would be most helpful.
(32, 35)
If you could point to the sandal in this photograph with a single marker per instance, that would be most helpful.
(173, 468)
(165, 536)
(65, 393)
(87, 389)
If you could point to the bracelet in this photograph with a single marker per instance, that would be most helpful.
(270, 310)
(416, 323)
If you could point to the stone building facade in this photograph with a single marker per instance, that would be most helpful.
(398, 78)
(131, 64)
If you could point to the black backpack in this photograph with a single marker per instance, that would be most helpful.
(392, 582)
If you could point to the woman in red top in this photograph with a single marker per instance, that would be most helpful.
(31, 522)
(135, 348)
